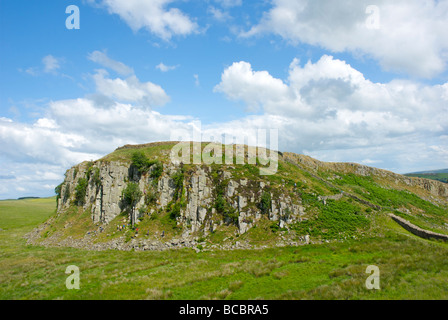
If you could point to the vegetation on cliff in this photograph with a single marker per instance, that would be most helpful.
(305, 200)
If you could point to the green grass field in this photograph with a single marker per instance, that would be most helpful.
(410, 268)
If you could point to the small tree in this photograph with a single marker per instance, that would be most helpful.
(58, 191)
(265, 203)
(158, 169)
(80, 191)
(140, 161)
(131, 196)
(178, 180)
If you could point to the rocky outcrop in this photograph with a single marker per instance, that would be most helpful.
(103, 196)
(201, 199)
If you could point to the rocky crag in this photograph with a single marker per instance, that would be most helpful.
(183, 205)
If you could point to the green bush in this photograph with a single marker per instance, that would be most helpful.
(140, 161)
(131, 195)
(231, 214)
(157, 170)
(58, 190)
(265, 202)
(80, 191)
(178, 180)
(94, 174)
(274, 227)
(143, 164)
(221, 204)
(150, 197)
(174, 212)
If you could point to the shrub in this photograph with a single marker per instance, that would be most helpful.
(221, 205)
(265, 202)
(274, 227)
(175, 211)
(140, 161)
(58, 190)
(231, 214)
(157, 171)
(94, 174)
(143, 164)
(178, 180)
(131, 196)
(80, 191)
(150, 197)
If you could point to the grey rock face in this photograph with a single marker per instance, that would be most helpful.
(104, 198)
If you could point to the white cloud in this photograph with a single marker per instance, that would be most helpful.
(73, 131)
(196, 80)
(326, 109)
(329, 106)
(31, 71)
(164, 68)
(102, 59)
(130, 90)
(152, 15)
(411, 38)
(218, 14)
(26, 143)
(46, 123)
(51, 64)
(240, 82)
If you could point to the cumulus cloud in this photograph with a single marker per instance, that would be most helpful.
(240, 82)
(51, 64)
(102, 59)
(37, 154)
(328, 105)
(218, 14)
(164, 68)
(325, 109)
(154, 16)
(410, 37)
(130, 90)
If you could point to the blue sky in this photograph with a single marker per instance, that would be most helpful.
(136, 71)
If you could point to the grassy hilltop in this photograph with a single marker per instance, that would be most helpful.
(347, 235)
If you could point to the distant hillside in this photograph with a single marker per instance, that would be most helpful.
(136, 198)
(439, 175)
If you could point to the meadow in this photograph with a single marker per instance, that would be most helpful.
(410, 267)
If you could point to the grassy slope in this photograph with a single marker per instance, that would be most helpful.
(411, 268)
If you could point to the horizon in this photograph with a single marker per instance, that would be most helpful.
(365, 82)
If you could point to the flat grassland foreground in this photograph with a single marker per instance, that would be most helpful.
(411, 268)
